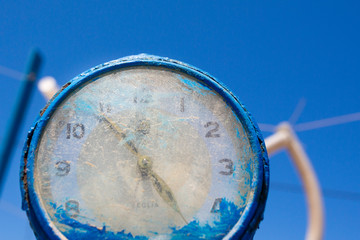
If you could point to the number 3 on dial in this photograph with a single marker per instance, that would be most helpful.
(228, 165)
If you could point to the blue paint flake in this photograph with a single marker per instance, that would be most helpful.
(195, 86)
(78, 230)
(228, 215)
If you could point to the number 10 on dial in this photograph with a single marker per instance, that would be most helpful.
(144, 148)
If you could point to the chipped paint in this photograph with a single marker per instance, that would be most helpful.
(227, 217)
(194, 86)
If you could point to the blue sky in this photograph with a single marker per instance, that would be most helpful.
(270, 54)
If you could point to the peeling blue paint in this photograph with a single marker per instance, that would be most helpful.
(195, 86)
(227, 217)
(229, 214)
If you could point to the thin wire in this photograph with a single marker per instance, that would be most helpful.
(267, 127)
(329, 193)
(11, 73)
(327, 122)
(297, 111)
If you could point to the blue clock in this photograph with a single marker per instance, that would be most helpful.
(144, 147)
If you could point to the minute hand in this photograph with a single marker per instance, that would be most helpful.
(165, 192)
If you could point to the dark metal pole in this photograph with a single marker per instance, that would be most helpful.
(19, 110)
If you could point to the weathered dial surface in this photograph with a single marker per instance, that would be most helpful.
(144, 152)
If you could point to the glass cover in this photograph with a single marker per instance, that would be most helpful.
(144, 152)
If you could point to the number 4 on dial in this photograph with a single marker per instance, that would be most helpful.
(216, 206)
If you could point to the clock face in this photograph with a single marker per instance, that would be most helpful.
(144, 152)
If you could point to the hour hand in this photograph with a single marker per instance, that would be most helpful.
(120, 134)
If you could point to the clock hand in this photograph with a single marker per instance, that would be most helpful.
(145, 167)
(120, 134)
(165, 193)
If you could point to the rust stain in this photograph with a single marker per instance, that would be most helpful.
(24, 170)
(90, 164)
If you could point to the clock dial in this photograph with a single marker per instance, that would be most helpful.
(144, 152)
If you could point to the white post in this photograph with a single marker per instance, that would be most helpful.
(285, 138)
(48, 87)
